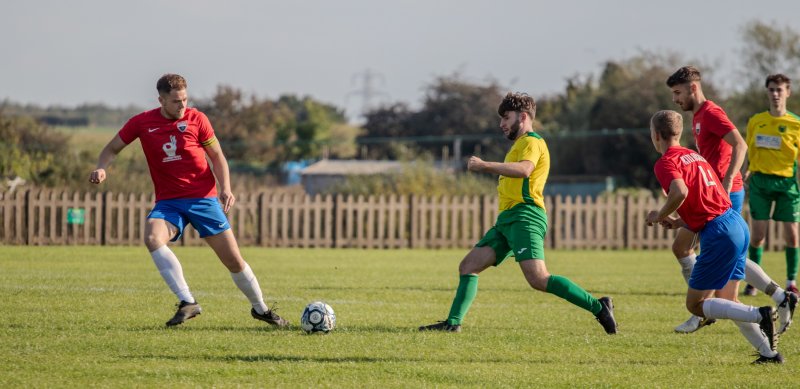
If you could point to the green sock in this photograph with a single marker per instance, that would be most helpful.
(755, 254)
(792, 259)
(465, 294)
(570, 291)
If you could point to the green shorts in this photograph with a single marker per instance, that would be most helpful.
(766, 189)
(518, 231)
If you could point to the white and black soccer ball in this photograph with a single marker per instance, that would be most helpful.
(318, 317)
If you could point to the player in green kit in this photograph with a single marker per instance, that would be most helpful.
(522, 223)
(773, 140)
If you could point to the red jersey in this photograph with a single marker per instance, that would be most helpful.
(174, 152)
(706, 198)
(709, 125)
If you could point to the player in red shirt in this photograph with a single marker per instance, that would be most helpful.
(176, 140)
(720, 143)
(695, 192)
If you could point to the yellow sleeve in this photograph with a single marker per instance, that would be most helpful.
(531, 151)
(751, 133)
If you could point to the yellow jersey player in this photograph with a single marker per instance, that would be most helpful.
(773, 139)
(522, 223)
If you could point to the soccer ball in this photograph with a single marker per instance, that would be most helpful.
(318, 317)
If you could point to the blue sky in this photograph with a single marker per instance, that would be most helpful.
(71, 52)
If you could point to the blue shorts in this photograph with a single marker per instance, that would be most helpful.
(205, 215)
(737, 200)
(723, 251)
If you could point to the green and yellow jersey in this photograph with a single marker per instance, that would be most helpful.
(773, 143)
(529, 190)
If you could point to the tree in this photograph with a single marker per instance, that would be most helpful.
(265, 133)
(38, 154)
(452, 107)
(602, 127)
(767, 49)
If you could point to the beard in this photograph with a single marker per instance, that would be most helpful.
(688, 106)
(513, 134)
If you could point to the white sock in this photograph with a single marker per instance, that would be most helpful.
(779, 295)
(755, 275)
(172, 272)
(717, 308)
(790, 283)
(752, 332)
(687, 264)
(248, 284)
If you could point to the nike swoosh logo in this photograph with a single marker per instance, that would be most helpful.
(152, 129)
(222, 225)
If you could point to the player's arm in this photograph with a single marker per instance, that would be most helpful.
(219, 166)
(108, 154)
(746, 169)
(734, 138)
(519, 169)
(748, 140)
(676, 196)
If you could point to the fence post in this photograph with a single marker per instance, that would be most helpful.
(625, 225)
(412, 220)
(104, 219)
(28, 217)
(335, 216)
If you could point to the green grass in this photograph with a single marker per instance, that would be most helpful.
(88, 138)
(93, 316)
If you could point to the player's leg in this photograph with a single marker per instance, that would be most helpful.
(787, 211)
(758, 234)
(526, 239)
(157, 233)
(760, 201)
(212, 225)
(535, 272)
(683, 249)
(786, 300)
(792, 253)
(164, 223)
(481, 257)
(752, 331)
(720, 266)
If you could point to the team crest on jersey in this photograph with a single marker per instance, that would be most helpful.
(182, 126)
(782, 129)
(697, 129)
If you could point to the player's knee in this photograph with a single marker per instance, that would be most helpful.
(757, 241)
(681, 250)
(471, 266)
(538, 283)
(791, 240)
(695, 307)
(153, 242)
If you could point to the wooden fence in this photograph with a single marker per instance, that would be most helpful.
(45, 217)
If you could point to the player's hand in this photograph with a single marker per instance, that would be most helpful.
(97, 176)
(227, 199)
(727, 184)
(671, 223)
(475, 164)
(652, 218)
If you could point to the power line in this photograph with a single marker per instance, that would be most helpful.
(368, 91)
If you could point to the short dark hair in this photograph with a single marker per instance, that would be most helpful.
(683, 75)
(518, 102)
(168, 82)
(778, 79)
(667, 123)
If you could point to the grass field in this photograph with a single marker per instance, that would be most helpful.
(88, 138)
(93, 317)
